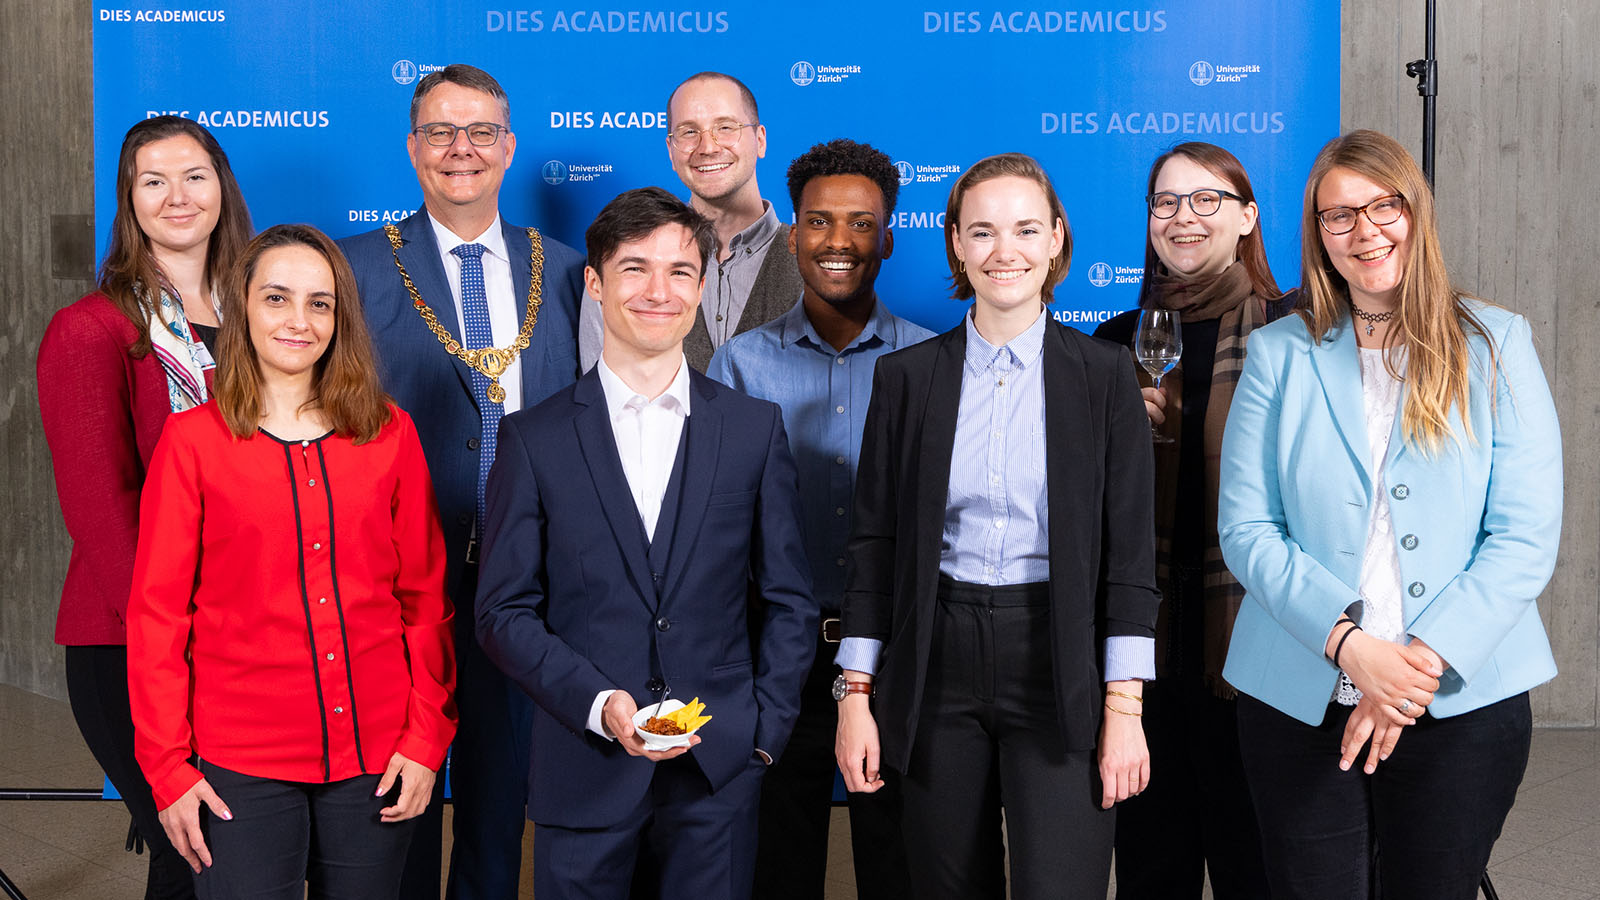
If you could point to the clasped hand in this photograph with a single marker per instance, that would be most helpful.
(1389, 676)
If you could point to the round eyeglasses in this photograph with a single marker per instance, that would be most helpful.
(685, 138)
(1204, 202)
(1382, 211)
(443, 134)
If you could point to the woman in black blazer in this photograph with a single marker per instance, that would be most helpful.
(1001, 589)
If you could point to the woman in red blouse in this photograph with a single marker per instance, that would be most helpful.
(289, 639)
(111, 368)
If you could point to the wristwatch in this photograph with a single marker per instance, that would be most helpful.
(843, 688)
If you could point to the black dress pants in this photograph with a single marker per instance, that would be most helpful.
(97, 688)
(1432, 811)
(988, 739)
(1196, 814)
(289, 840)
(797, 803)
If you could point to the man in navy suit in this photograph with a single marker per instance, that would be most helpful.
(480, 277)
(643, 538)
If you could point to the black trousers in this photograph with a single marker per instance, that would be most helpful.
(988, 739)
(286, 835)
(1432, 811)
(797, 803)
(1196, 814)
(97, 688)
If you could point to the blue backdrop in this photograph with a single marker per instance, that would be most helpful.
(310, 100)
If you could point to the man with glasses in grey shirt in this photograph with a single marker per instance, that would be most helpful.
(714, 138)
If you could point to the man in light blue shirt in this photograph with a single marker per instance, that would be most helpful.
(816, 362)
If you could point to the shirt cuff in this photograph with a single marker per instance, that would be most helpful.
(860, 654)
(1129, 657)
(596, 720)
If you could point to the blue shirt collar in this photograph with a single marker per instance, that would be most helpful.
(1025, 347)
(796, 325)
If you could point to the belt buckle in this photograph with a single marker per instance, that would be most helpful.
(831, 628)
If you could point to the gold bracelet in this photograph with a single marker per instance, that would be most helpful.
(1124, 712)
(1139, 700)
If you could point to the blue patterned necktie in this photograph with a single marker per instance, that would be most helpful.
(475, 322)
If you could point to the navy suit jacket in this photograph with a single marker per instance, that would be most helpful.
(567, 605)
(435, 387)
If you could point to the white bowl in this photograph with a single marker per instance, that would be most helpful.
(659, 741)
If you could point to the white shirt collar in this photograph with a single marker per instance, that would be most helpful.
(493, 238)
(620, 397)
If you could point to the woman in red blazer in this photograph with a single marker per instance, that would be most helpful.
(288, 630)
(111, 367)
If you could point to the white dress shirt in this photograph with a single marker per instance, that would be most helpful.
(647, 432)
(499, 290)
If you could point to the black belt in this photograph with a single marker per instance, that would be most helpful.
(832, 629)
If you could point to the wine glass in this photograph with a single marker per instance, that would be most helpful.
(1157, 346)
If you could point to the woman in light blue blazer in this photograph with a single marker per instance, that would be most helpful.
(1391, 501)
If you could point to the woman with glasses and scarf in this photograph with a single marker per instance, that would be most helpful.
(111, 368)
(1391, 503)
(1205, 258)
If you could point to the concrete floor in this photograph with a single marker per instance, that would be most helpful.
(73, 850)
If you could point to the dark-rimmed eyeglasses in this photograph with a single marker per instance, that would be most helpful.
(1204, 202)
(724, 134)
(1382, 211)
(443, 134)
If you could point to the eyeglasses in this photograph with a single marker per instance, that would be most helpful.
(443, 134)
(724, 134)
(1382, 211)
(1204, 202)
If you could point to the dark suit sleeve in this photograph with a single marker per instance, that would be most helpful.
(783, 577)
(1130, 600)
(870, 553)
(512, 592)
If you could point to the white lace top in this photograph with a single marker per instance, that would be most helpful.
(1381, 611)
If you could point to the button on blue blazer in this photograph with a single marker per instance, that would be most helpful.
(1476, 523)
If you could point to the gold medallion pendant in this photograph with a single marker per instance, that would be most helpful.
(491, 362)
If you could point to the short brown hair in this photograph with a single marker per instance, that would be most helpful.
(130, 277)
(634, 214)
(1003, 165)
(344, 383)
(466, 76)
(744, 93)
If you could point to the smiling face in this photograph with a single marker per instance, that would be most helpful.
(1006, 238)
(648, 290)
(841, 237)
(1194, 246)
(461, 177)
(289, 307)
(710, 171)
(176, 196)
(1372, 258)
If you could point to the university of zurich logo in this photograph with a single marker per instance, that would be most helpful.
(907, 174)
(554, 171)
(802, 73)
(404, 71)
(1202, 73)
(1100, 274)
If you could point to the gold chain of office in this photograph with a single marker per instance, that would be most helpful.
(491, 362)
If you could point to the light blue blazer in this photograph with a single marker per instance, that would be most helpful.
(1476, 525)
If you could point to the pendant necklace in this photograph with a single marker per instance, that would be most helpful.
(1370, 318)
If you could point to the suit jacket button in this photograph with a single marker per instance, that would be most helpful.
(663, 623)
(1409, 542)
(464, 519)
(1416, 589)
(472, 443)
(1400, 492)
(655, 685)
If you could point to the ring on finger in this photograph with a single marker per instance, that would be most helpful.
(1404, 706)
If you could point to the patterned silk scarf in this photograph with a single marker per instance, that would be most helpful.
(1227, 298)
(183, 357)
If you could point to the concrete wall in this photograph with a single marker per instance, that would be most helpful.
(1517, 184)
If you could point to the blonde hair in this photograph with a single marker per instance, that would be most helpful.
(1432, 319)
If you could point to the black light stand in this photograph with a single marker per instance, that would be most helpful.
(1426, 72)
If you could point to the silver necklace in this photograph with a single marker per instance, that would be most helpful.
(1370, 318)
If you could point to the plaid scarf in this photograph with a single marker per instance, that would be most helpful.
(1228, 298)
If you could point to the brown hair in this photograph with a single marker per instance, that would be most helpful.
(635, 214)
(129, 274)
(744, 93)
(1432, 319)
(344, 383)
(1252, 250)
(462, 75)
(1004, 165)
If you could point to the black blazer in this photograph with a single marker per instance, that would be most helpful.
(1099, 477)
